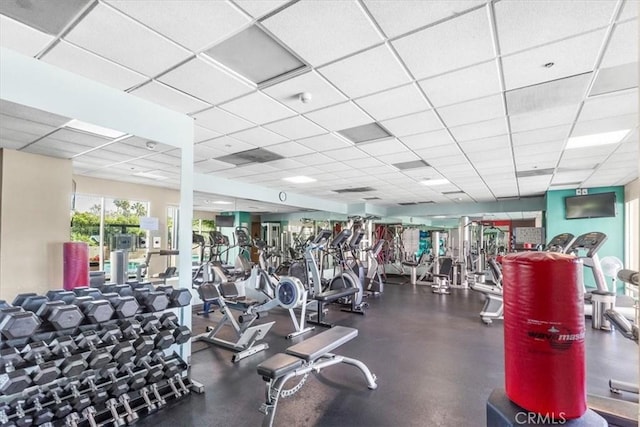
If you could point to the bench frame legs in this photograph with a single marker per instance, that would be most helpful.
(274, 388)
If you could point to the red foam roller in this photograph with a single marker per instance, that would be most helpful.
(75, 257)
(545, 368)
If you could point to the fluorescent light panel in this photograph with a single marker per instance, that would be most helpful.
(430, 182)
(94, 129)
(364, 133)
(48, 16)
(300, 179)
(149, 175)
(221, 202)
(255, 55)
(414, 164)
(596, 139)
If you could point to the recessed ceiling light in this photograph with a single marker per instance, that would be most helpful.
(604, 138)
(300, 179)
(221, 202)
(434, 182)
(150, 175)
(94, 129)
(440, 216)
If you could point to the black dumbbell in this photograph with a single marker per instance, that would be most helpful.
(89, 341)
(60, 315)
(41, 414)
(62, 408)
(171, 366)
(15, 382)
(155, 372)
(11, 359)
(116, 419)
(78, 401)
(136, 378)
(45, 372)
(97, 394)
(89, 414)
(163, 338)
(61, 295)
(30, 301)
(132, 416)
(22, 419)
(122, 290)
(122, 350)
(151, 407)
(83, 291)
(17, 323)
(124, 306)
(96, 311)
(72, 420)
(181, 333)
(119, 385)
(180, 297)
(4, 415)
(142, 344)
(72, 364)
(152, 301)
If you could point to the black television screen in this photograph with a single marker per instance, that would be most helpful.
(599, 205)
(224, 220)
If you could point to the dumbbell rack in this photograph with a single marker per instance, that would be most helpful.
(101, 371)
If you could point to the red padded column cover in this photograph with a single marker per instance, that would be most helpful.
(75, 257)
(545, 368)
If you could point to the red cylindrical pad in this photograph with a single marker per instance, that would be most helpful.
(545, 368)
(75, 257)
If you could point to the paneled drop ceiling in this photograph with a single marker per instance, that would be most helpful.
(478, 97)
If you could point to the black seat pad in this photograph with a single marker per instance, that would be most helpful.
(322, 343)
(278, 365)
(334, 294)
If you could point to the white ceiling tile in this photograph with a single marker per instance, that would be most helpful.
(323, 94)
(570, 57)
(627, 121)
(346, 154)
(202, 152)
(258, 8)
(551, 147)
(573, 176)
(479, 130)
(45, 150)
(258, 108)
(550, 117)
(601, 152)
(22, 130)
(221, 121)
(77, 60)
(286, 165)
(21, 38)
(211, 165)
(427, 140)
(322, 31)
(206, 81)
(615, 104)
(259, 137)
(401, 16)
(339, 117)
(519, 23)
(105, 31)
(493, 143)
(393, 103)
(629, 10)
(192, 23)
(291, 149)
(425, 121)
(457, 43)
(367, 72)
(451, 151)
(10, 144)
(227, 145)
(166, 96)
(324, 142)
(472, 111)
(202, 134)
(483, 155)
(313, 159)
(469, 83)
(623, 46)
(381, 148)
(85, 139)
(296, 128)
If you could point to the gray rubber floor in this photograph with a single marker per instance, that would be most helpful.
(435, 361)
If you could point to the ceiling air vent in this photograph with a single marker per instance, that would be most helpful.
(371, 198)
(450, 193)
(414, 164)
(415, 203)
(353, 190)
(364, 133)
(256, 155)
(257, 56)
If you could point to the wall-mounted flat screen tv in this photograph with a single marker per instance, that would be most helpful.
(600, 205)
(224, 220)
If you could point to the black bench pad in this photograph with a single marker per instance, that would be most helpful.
(278, 365)
(322, 343)
(410, 263)
(334, 294)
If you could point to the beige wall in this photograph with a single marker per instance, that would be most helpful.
(35, 222)
(159, 199)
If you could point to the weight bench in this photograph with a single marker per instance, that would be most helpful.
(247, 335)
(311, 355)
(328, 297)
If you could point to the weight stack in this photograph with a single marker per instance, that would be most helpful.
(545, 368)
(75, 257)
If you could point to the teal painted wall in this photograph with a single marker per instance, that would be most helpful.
(612, 227)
